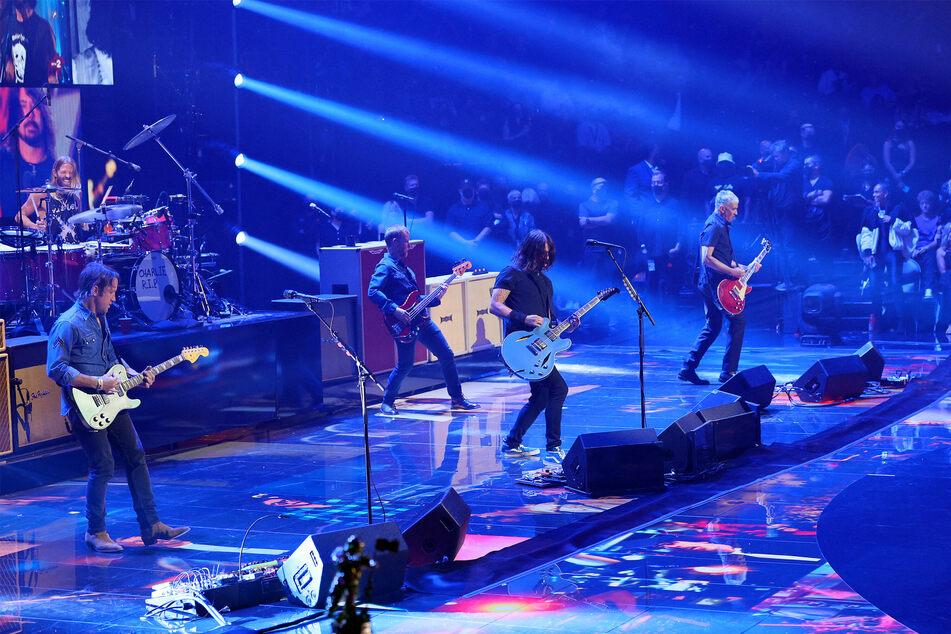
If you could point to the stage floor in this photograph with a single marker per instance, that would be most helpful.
(734, 553)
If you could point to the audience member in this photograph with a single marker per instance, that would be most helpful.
(696, 185)
(928, 224)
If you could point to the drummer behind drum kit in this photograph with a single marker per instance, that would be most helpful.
(145, 247)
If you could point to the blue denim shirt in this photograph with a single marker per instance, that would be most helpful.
(391, 284)
(78, 345)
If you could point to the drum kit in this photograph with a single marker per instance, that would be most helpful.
(39, 267)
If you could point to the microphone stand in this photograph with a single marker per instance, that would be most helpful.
(80, 144)
(641, 312)
(363, 373)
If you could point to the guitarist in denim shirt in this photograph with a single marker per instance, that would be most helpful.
(390, 286)
(80, 354)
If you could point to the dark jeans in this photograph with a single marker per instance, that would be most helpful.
(98, 445)
(430, 336)
(548, 394)
(715, 315)
(887, 271)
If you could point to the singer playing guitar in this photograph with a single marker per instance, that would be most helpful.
(717, 264)
(391, 284)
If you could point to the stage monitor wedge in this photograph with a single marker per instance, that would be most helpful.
(873, 360)
(755, 385)
(307, 575)
(699, 439)
(436, 534)
(833, 379)
(615, 463)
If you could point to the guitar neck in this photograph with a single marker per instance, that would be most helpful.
(423, 303)
(156, 370)
(578, 314)
(752, 267)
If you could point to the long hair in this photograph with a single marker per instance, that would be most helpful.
(94, 274)
(46, 116)
(530, 254)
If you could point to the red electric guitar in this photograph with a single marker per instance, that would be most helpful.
(732, 293)
(416, 308)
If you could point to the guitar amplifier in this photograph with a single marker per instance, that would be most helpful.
(483, 329)
(6, 416)
(450, 315)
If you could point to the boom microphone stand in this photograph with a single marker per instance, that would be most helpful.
(641, 312)
(363, 374)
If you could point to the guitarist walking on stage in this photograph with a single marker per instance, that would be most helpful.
(391, 284)
(717, 264)
(522, 297)
(79, 354)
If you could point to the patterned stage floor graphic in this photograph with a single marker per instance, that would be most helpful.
(743, 560)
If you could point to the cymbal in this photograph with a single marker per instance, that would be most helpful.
(149, 132)
(49, 189)
(118, 212)
(93, 215)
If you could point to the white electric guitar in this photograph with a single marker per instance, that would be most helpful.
(98, 409)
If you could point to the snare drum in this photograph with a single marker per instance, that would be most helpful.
(154, 235)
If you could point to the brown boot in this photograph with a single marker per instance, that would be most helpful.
(161, 530)
(102, 543)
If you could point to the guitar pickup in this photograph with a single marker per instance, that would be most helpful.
(97, 401)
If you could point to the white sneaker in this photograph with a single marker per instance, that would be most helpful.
(929, 294)
(519, 452)
(555, 456)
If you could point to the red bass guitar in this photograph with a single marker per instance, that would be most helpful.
(415, 308)
(732, 293)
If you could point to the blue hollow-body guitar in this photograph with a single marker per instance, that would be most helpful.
(97, 409)
(530, 354)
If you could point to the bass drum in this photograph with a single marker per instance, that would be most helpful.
(149, 284)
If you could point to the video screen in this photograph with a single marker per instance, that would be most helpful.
(41, 140)
(57, 42)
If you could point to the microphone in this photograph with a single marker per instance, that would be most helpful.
(46, 91)
(135, 167)
(79, 142)
(316, 208)
(289, 294)
(607, 245)
(128, 188)
(403, 196)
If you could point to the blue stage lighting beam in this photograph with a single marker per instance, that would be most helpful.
(297, 262)
(446, 147)
(541, 85)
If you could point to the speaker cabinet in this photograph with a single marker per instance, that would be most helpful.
(715, 398)
(698, 440)
(873, 360)
(615, 463)
(833, 379)
(308, 573)
(6, 416)
(436, 534)
(754, 385)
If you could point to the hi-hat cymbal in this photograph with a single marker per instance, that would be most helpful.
(149, 132)
(93, 215)
(19, 238)
(49, 189)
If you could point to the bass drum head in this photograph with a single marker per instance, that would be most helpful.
(155, 286)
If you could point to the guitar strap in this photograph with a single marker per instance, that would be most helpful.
(545, 296)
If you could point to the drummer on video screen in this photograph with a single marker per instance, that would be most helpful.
(49, 211)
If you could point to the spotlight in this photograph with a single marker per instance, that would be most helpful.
(238, 78)
(236, 2)
(242, 236)
(239, 160)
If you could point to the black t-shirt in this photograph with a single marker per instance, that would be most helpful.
(31, 49)
(529, 293)
(716, 234)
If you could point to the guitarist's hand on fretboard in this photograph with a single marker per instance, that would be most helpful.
(149, 378)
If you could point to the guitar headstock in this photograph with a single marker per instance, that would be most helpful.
(608, 292)
(767, 245)
(461, 267)
(192, 354)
